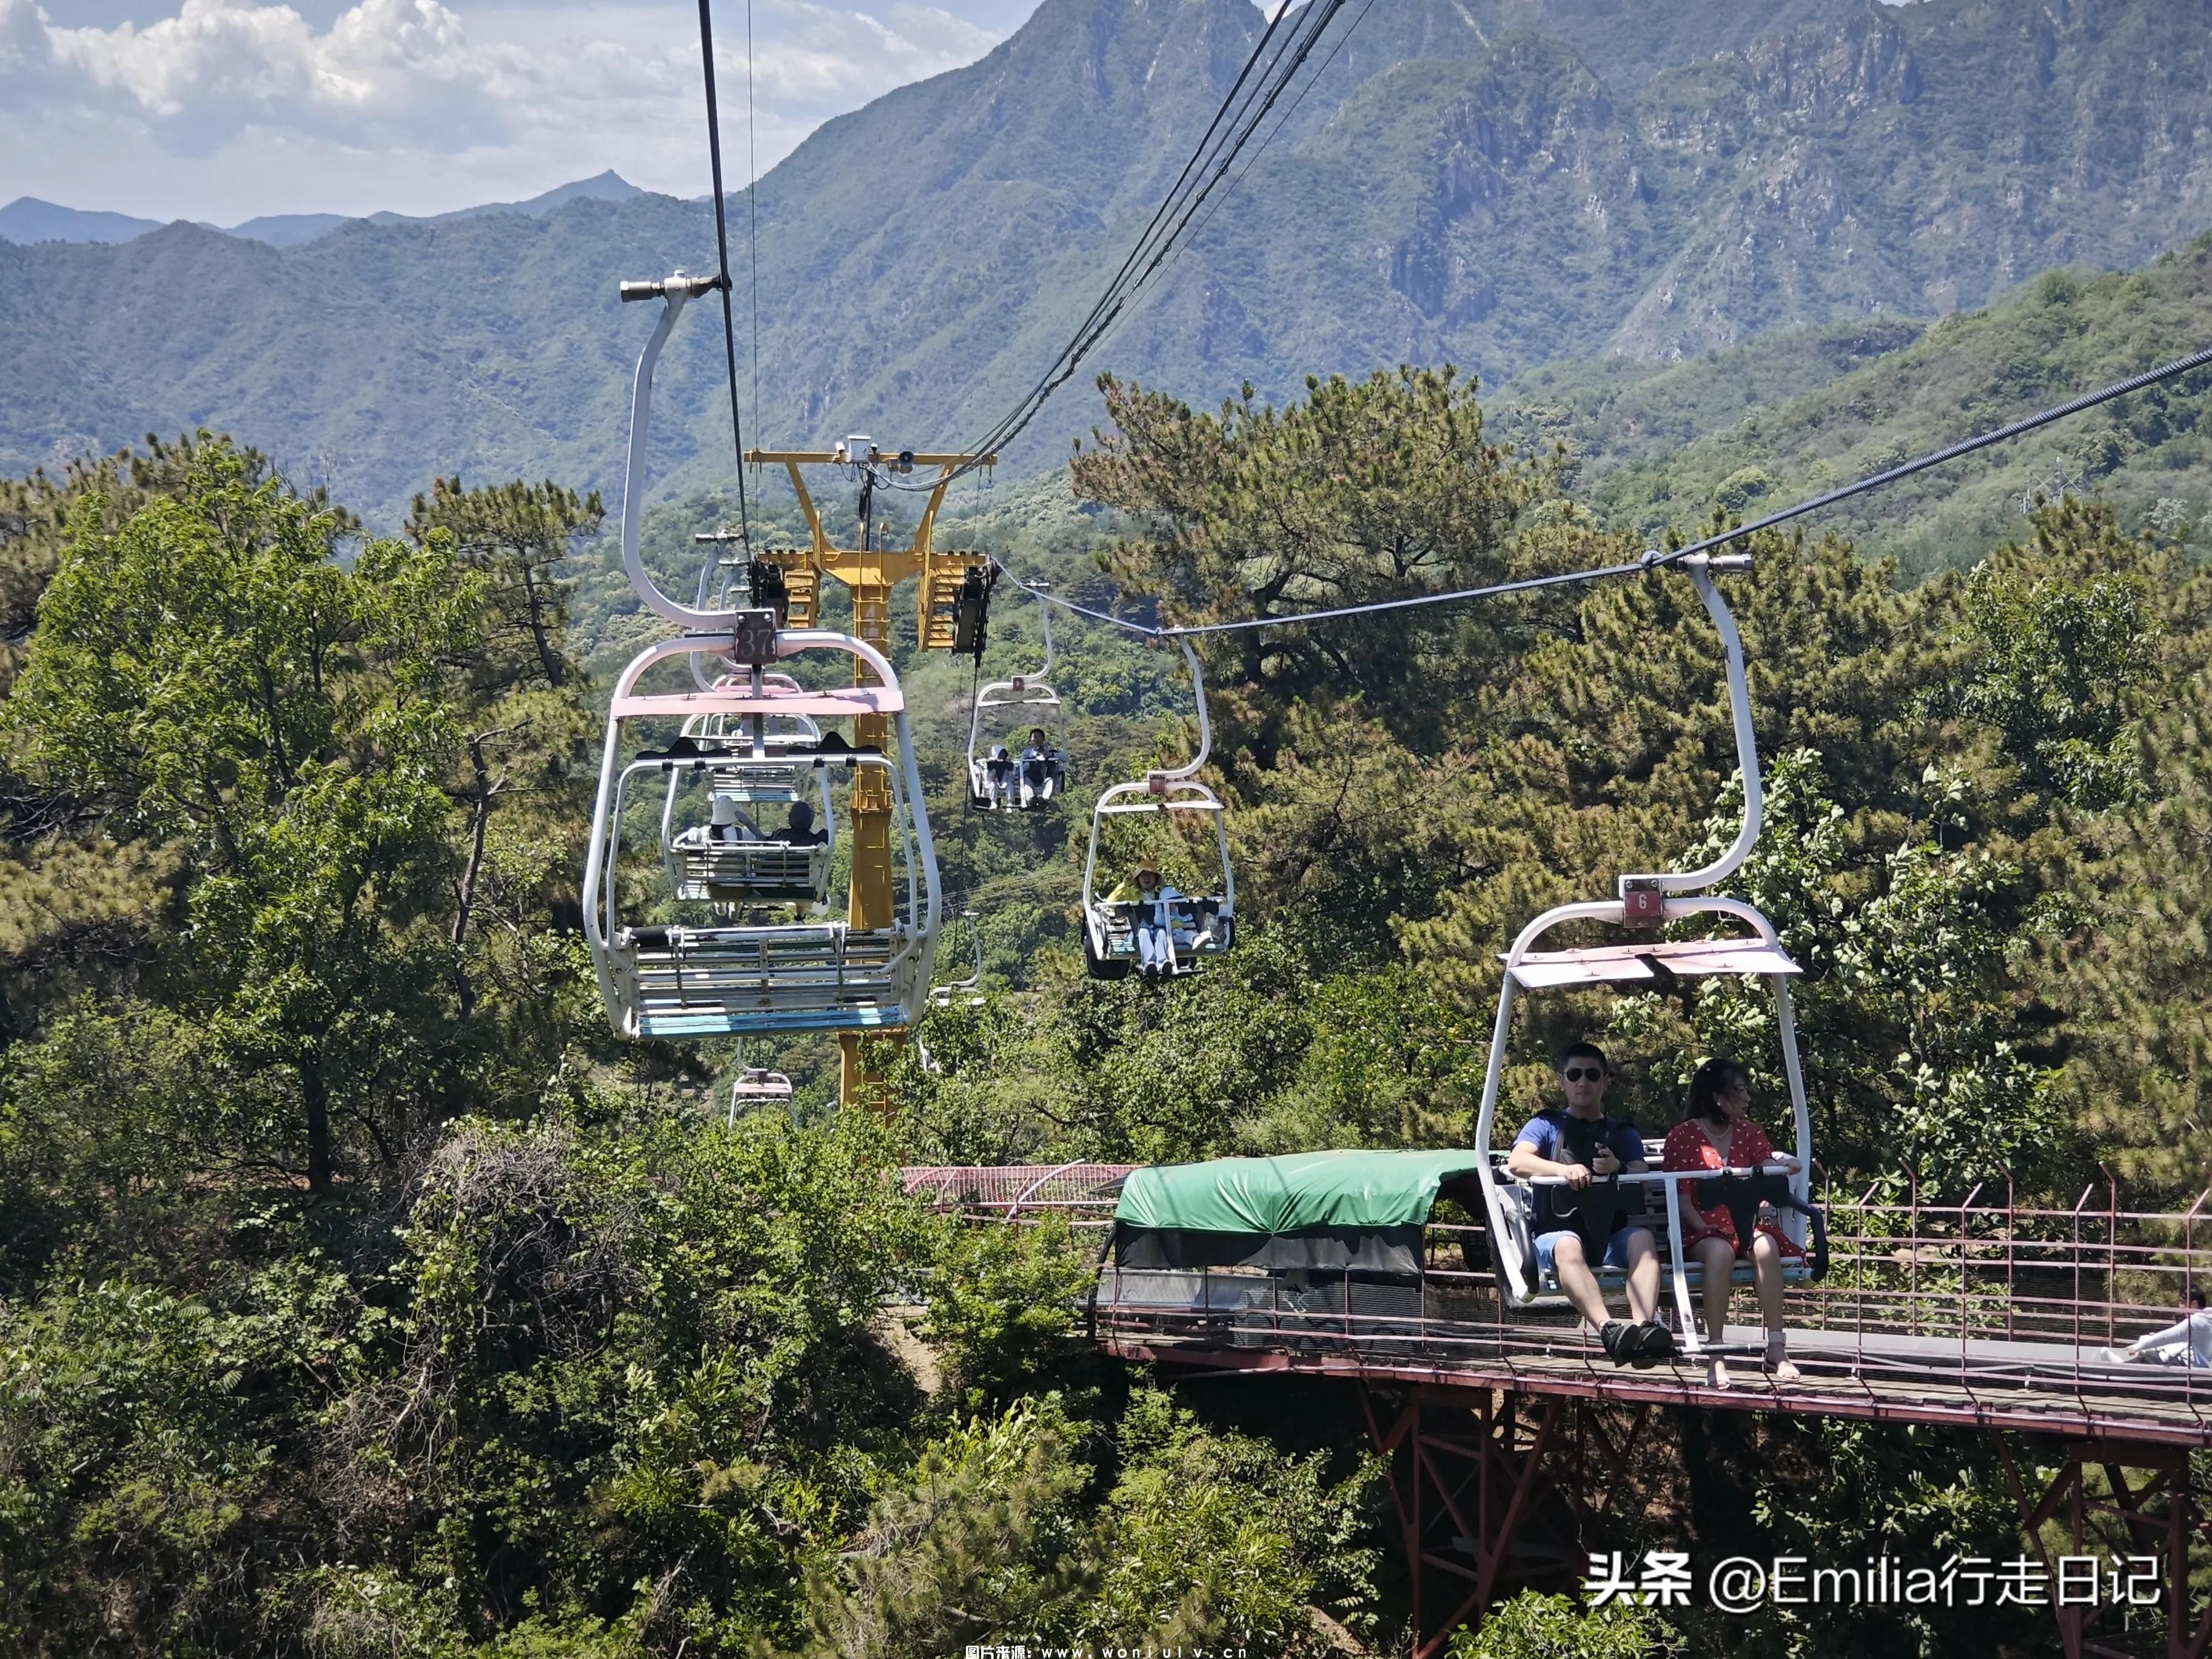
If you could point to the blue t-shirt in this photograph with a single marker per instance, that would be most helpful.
(1563, 1138)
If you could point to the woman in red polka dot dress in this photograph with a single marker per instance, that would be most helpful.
(1717, 1135)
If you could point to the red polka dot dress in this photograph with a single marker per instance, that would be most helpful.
(1688, 1147)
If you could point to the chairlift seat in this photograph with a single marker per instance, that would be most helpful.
(1190, 920)
(1517, 1200)
(753, 871)
(986, 786)
(1038, 706)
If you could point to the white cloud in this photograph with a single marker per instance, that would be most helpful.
(229, 108)
(218, 67)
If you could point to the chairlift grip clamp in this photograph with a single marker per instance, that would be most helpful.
(679, 282)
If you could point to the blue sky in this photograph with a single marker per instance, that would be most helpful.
(222, 110)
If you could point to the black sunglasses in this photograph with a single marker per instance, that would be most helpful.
(1577, 1074)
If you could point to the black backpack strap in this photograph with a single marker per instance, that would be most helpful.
(1599, 1205)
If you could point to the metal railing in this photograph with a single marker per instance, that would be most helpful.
(1948, 1303)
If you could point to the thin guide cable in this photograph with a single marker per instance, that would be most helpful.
(752, 235)
(1655, 560)
(722, 246)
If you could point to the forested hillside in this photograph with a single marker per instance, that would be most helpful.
(360, 1294)
(1790, 414)
(1504, 184)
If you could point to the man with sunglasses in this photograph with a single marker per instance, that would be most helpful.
(1582, 1220)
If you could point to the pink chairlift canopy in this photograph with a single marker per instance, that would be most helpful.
(1602, 964)
(839, 702)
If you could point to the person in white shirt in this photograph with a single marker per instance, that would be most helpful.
(1154, 930)
(2188, 1342)
(728, 824)
(1040, 768)
(999, 770)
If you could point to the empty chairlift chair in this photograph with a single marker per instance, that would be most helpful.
(756, 1086)
(701, 958)
(965, 992)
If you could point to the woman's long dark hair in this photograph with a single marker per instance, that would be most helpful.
(1713, 1079)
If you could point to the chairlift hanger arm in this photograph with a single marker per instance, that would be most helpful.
(1192, 768)
(1701, 567)
(674, 292)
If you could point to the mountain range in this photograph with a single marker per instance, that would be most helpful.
(1501, 183)
(26, 219)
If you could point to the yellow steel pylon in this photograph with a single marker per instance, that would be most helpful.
(871, 573)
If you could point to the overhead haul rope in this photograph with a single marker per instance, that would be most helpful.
(1653, 559)
(752, 235)
(722, 243)
(1273, 133)
(1243, 112)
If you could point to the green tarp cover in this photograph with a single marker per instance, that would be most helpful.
(1287, 1194)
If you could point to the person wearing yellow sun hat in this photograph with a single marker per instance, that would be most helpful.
(1155, 938)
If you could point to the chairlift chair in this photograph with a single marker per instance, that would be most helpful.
(1649, 902)
(782, 732)
(706, 965)
(964, 991)
(696, 968)
(752, 866)
(1197, 925)
(999, 780)
(757, 1084)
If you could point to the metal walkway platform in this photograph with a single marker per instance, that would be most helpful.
(1978, 1316)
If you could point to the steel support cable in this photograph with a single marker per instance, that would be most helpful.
(752, 232)
(1167, 204)
(2017, 429)
(1118, 293)
(1071, 354)
(1325, 11)
(1275, 132)
(1205, 141)
(1655, 560)
(722, 246)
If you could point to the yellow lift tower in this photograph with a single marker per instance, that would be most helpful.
(870, 573)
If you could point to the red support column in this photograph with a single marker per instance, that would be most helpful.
(2166, 1533)
(1465, 1491)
